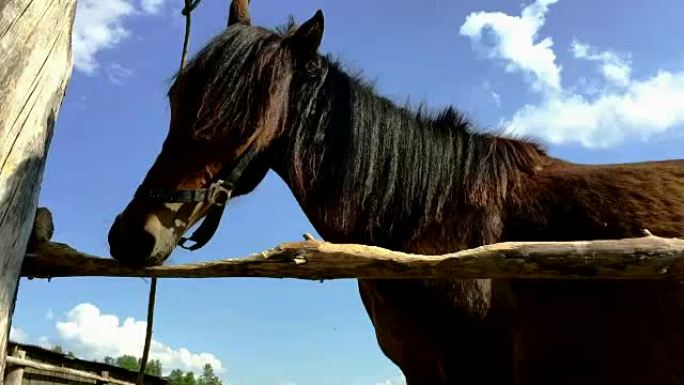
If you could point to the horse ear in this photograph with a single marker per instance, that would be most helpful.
(239, 12)
(306, 40)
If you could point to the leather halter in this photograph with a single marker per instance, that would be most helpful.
(217, 196)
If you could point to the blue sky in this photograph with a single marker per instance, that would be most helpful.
(596, 82)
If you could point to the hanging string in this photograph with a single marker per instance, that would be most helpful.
(148, 331)
(190, 5)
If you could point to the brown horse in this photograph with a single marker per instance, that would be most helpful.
(367, 171)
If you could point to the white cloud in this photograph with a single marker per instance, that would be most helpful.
(399, 380)
(515, 42)
(497, 98)
(49, 315)
(495, 95)
(94, 335)
(592, 113)
(644, 109)
(116, 73)
(151, 6)
(18, 335)
(615, 69)
(44, 342)
(98, 26)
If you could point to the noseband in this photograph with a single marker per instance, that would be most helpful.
(217, 196)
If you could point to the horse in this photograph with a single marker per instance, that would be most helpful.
(366, 170)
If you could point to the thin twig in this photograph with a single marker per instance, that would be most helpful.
(148, 331)
(187, 12)
(190, 5)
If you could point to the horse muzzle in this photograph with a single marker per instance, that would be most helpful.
(136, 246)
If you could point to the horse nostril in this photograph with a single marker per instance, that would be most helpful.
(130, 246)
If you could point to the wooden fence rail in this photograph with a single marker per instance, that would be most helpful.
(31, 364)
(647, 257)
(24, 363)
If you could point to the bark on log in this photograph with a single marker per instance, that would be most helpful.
(647, 257)
(35, 67)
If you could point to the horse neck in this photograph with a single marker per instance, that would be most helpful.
(365, 170)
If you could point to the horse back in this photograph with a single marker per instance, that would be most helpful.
(598, 331)
(566, 201)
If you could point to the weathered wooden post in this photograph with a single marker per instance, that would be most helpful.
(35, 67)
(15, 374)
(104, 374)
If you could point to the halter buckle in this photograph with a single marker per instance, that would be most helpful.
(220, 193)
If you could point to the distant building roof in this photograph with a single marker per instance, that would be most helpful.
(47, 356)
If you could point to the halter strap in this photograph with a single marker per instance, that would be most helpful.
(217, 195)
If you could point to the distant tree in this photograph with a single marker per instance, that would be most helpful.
(208, 377)
(153, 367)
(176, 377)
(57, 349)
(189, 379)
(127, 362)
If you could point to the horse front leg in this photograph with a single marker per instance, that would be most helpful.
(428, 329)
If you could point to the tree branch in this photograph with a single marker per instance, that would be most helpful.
(648, 257)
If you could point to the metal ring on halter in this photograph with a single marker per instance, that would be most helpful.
(217, 196)
(220, 193)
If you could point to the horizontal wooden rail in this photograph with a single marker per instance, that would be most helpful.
(21, 362)
(647, 257)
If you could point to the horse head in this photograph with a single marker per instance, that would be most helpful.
(229, 106)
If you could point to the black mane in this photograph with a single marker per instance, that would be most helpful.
(240, 80)
(390, 170)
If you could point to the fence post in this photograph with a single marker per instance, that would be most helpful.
(105, 374)
(15, 374)
(35, 67)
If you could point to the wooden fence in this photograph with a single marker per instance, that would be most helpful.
(648, 257)
(34, 365)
